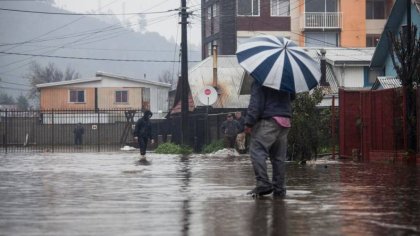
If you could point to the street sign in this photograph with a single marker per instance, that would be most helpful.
(207, 95)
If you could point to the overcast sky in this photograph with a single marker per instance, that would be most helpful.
(165, 24)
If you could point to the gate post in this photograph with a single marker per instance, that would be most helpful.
(333, 126)
(5, 136)
(52, 130)
(97, 136)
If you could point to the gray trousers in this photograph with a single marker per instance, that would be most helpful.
(269, 141)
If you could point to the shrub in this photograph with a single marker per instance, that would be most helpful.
(310, 130)
(214, 146)
(172, 148)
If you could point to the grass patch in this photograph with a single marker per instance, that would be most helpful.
(172, 148)
(214, 146)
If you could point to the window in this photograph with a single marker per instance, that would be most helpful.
(209, 49)
(248, 7)
(375, 9)
(280, 7)
(372, 40)
(321, 5)
(214, 10)
(209, 13)
(121, 96)
(77, 96)
(321, 39)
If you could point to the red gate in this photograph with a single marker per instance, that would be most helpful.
(371, 123)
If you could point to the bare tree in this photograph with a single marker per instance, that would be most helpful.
(166, 77)
(405, 56)
(50, 73)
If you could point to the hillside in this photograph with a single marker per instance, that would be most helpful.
(78, 37)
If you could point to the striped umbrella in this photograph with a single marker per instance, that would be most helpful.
(278, 63)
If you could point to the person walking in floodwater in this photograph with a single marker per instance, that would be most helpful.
(143, 132)
(78, 132)
(230, 129)
(268, 121)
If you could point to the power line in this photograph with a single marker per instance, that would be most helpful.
(57, 28)
(89, 58)
(20, 89)
(86, 14)
(6, 82)
(84, 38)
(111, 49)
(88, 32)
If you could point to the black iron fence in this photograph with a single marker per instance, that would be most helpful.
(103, 130)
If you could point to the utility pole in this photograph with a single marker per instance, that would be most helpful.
(184, 75)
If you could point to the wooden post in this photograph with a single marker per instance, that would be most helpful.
(333, 127)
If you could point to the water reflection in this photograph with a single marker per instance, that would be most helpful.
(268, 217)
(109, 194)
(185, 173)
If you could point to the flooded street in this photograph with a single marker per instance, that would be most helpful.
(111, 194)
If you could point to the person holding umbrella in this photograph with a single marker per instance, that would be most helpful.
(280, 70)
(270, 126)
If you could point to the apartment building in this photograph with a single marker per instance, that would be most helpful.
(311, 23)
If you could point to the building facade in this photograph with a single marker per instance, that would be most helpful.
(311, 23)
(105, 91)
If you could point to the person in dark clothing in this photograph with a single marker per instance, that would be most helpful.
(268, 121)
(230, 129)
(241, 136)
(143, 132)
(78, 134)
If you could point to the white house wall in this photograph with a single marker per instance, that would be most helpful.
(352, 77)
(158, 101)
(92, 84)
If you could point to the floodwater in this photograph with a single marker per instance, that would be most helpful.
(112, 194)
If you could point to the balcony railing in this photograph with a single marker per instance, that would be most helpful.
(321, 20)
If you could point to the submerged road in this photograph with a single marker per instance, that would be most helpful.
(112, 194)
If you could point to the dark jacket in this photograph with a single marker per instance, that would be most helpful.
(143, 128)
(241, 121)
(230, 128)
(266, 103)
(79, 130)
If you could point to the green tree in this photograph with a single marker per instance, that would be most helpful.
(307, 135)
(50, 73)
(22, 103)
(6, 99)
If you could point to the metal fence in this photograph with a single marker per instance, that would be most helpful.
(104, 130)
(53, 130)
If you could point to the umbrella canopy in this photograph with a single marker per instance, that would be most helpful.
(279, 63)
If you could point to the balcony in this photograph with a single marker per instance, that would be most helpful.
(321, 20)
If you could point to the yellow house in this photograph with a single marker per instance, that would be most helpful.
(105, 91)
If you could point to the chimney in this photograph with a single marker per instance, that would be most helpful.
(215, 66)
